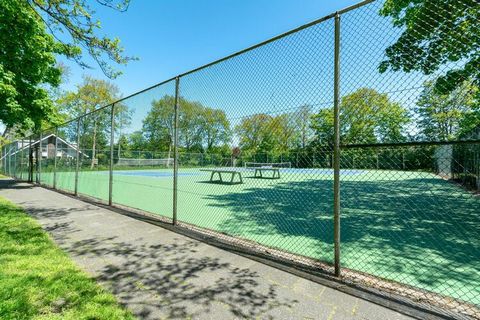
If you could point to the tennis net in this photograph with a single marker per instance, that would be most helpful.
(267, 164)
(144, 162)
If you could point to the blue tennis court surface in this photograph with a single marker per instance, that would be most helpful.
(154, 174)
(169, 173)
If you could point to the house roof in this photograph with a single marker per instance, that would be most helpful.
(46, 137)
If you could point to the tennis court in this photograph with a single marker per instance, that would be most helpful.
(412, 227)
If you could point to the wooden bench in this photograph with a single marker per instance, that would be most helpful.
(219, 172)
(275, 173)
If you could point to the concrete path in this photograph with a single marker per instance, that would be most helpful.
(159, 274)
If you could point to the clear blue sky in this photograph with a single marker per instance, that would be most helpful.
(173, 36)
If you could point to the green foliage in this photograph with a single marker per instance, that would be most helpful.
(302, 118)
(190, 125)
(215, 127)
(136, 141)
(436, 33)
(76, 18)
(39, 281)
(366, 116)
(200, 128)
(158, 126)
(32, 34)
(27, 67)
(263, 133)
(255, 133)
(447, 116)
(91, 95)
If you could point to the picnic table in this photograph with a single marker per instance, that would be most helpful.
(219, 171)
(259, 170)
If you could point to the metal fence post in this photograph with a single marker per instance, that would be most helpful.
(15, 160)
(10, 173)
(175, 149)
(110, 178)
(30, 160)
(55, 160)
(77, 157)
(12, 166)
(336, 147)
(20, 142)
(39, 159)
(7, 160)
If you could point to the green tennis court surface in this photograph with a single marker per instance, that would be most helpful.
(411, 227)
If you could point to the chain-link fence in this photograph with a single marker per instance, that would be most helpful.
(366, 122)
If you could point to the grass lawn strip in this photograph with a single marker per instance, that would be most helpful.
(39, 281)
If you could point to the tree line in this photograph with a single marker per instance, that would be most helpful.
(366, 117)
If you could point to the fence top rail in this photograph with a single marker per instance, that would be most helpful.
(408, 144)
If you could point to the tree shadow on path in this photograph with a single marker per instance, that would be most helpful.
(177, 280)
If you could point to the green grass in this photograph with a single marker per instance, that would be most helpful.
(39, 281)
(411, 227)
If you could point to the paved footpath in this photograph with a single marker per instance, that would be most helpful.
(159, 274)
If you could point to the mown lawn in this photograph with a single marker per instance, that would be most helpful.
(39, 281)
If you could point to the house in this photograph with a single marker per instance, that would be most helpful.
(64, 149)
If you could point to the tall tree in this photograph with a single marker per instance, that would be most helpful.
(27, 67)
(91, 95)
(200, 127)
(159, 124)
(446, 116)
(437, 34)
(264, 133)
(285, 133)
(215, 128)
(190, 125)
(122, 119)
(366, 116)
(302, 118)
(254, 134)
(32, 34)
(136, 141)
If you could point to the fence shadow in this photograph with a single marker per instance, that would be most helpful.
(420, 231)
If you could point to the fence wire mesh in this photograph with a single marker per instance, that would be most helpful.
(47, 154)
(66, 152)
(94, 154)
(143, 151)
(243, 150)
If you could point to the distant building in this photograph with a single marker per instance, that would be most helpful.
(64, 149)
